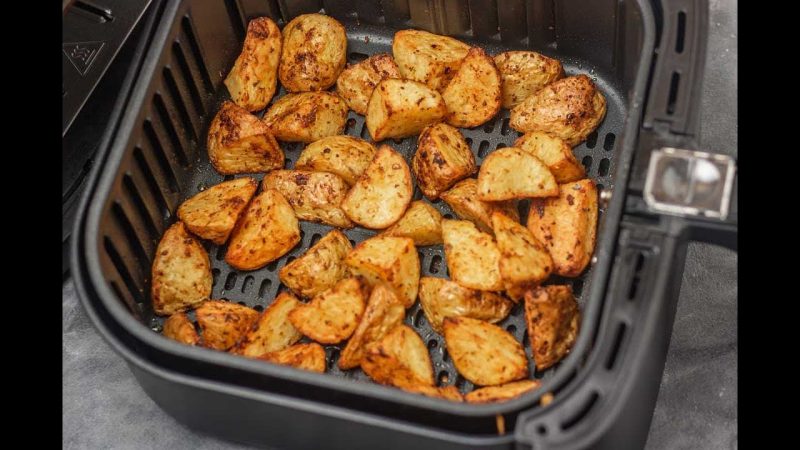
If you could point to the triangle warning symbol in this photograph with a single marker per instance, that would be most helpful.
(82, 54)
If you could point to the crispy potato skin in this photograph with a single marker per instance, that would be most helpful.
(178, 327)
(567, 226)
(524, 73)
(212, 213)
(333, 315)
(319, 268)
(555, 153)
(181, 272)
(442, 298)
(254, 77)
(399, 359)
(463, 200)
(473, 96)
(402, 108)
(346, 156)
(428, 58)
(357, 81)
(224, 323)
(389, 259)
(502, 393)
(384, 312)
(267, 230)
(553, 319)
(314, 53)
(442, 159)
(524, 261)
(314, 196)
(570, 109)
(421, 222)
(510, 173)
(309, 356)
(238, 142)
(473, 259)
(306, 116)
(272, 331)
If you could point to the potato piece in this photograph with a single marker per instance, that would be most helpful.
(254, 77)
(524, 73)
(382, 193)
(333, 315)
(553, 320)
(463, 200)
(570, 109)
(402, 108)
(314, 196)
(483, 353)
(181, 272)
(307, 116)
(442, 298)
(473, 259)
(442, 159)
(314, 53)
(445, 392)
(567, 226)
(421, 222)
(267, 231)
(473, 95)
(224, 323)
(510, 173)
(399, 359)
(212, 213)
(272, 331)
(240, 143)
(393, 260)
(346, 156)
(357, 81)
(502, 393)
(319, 268)
(524, 261)
(384, 312)
(555, 153)
(178, 327)
(428, 58)
(309, 356)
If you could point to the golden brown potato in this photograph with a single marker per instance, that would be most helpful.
(483, 353)
(442, 298)
(473, 95)
(238, 142)
(357, 81)
(384, 312)
(510, 173)
(224, 323)
(553, 320)
(310, 356)
(567, 226)
(555, 153)
(402, 108)
(463, 200)
(314, 53)
(524, 261)
(442, 159)
(382, 193)
(502, 393)
(333, 315)
(314, 196)
(181, 272)
(421, 222)
(473, 259)
(570, 109)
(254, 77)
(428, 58)
(524, 73)
(389, 259)
(267, 231)
(178, 327)
(307, 116)
(399, 359)
(212, 213)
(319, 268)
(346, 156)
(272, 331)
(445, 392)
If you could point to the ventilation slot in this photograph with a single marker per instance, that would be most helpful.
(188, 35)
(356, 57)
(165, 163)
(189, 80)
(230, 281)
(436, 264)
(602, 169)
(673, 92)
(124, 273)
(618, 337)
(155, 190)
(608, 143)
(581, 412)
(133, 193)
(637, 278)
(248, 283)
(681, 34)
(264, 288)
(235, 17)
(164, 123)
(483, 149)
(587, 163)
(177, 101)
(132, 238)
(127, 299)
(591, 140)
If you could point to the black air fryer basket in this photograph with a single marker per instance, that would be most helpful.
(647, 59)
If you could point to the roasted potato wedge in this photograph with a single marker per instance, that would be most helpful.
(524, 73)
(510, 173)
(553, 320)
(473, 95)
(267, 230)
(389, 259)
(445, 392)
(567, 226)
(272, 331)
(442, 159)
(442, 298)
(382, 193)
(254, 77)
(224, 323)
(333, 315)
(483, 353)
(357, 81)
(314, 196)
(240, 143)
(346, 156)
(463, 200)
(212, 213)
(314, 53)
(319, 268)
(384, 312)
(524, 261)
(307, 116)
(473, 259)
(421, 222)
(555, 153)
(502, 393)
(399, 359)
(402, 108)
(309, 356)
(178, 327)
(570, 109)
(428, 58)
(181, 272)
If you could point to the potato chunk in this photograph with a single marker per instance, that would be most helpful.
(314, 53)
(384, 312)
(346, 156)
(442, 298)
(553, 320)
(555, 153)
(178, 327)
(473, 95)
(310, 356)
(314, 196)
(524, 261)
(389, 259)
(442, 159)
(473, 259)
(254, 77)
(483, 353)
(224, 323)
(319, 268)
(463, 199)
(502, 393)
(272, 331)
(445, 392)
(240, 143)
(181, 272)
(428, 58)
(510, 173)
(402, 108)
(307, 116)
(421, 222)
(357, 81)
(212, 213)
(524, 73)
(333, 315)
(399, 359)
